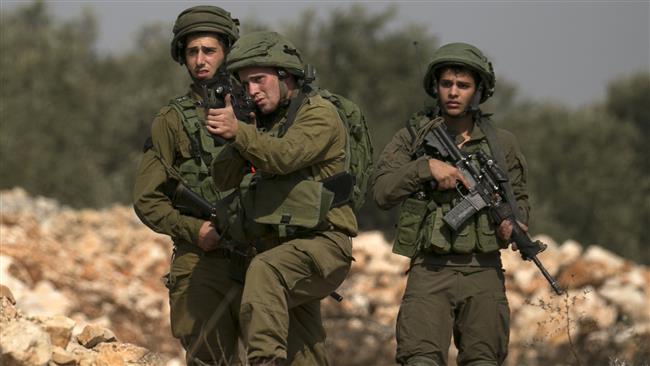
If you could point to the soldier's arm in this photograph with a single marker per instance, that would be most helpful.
(517, 171)
(316, 135)
(397, 175)
(150, 199)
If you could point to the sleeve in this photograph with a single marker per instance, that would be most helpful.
(310, 140)
(517, 173)
(397, 175)
(150, 201)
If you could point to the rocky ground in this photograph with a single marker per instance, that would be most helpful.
(85, 289)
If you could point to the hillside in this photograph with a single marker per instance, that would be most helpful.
(95, 277)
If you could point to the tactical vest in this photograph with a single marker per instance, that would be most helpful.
(420, 224)
(297, 202)
(203, 148)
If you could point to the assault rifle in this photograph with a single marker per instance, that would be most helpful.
(188, 201)
(486, 190)
(215, 97)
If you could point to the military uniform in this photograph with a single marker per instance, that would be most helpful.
(203, 297)
(456, 283)
(453, 278)
(198, 281)
(280, 312)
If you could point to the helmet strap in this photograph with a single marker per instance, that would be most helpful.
(476, 98)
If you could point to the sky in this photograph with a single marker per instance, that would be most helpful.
(565, 51)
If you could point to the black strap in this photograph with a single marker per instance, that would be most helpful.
(490, 133)
(293, 108)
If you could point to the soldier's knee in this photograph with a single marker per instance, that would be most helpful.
(259, 271)
(420, 361)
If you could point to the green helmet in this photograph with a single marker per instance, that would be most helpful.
(265, 49)
(461, 54)
(202, 18)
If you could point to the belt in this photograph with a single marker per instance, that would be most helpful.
(492, 259)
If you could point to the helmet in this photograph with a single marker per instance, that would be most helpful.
(202, 18)
(465, 55)
(265, 49)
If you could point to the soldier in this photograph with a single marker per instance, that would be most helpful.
(298, 140)
(456, 281)
(204, 300)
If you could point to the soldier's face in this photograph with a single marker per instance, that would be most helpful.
(203, 56)
(263, 85)
(455, 91)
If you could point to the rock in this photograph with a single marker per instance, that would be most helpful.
(570, 251)
(125, 354)
(59, 328)
(103, 267)
(630, 299)
(5, 292)
(62, 357)
(24, 343)
(93, 335)
(44, 300)
(7, 310)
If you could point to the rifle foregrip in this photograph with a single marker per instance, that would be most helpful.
(527, 247)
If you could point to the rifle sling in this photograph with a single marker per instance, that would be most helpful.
(490, 133)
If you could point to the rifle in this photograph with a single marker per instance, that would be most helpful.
(205, 210)
(486, 190)
(215, 97)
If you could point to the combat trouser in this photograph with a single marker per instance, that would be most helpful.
(470, 301)
(280, 313)
(204, 305)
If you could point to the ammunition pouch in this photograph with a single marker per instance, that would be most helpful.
(285, 203)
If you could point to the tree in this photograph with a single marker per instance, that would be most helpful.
(583, 180)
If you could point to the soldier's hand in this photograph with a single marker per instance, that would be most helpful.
(222, 121)
(208, 237)
(446, 175)
(504, 232)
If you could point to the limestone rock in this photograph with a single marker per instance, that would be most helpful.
(94, 334)
(62, 357)
(59, 328)
(24, 343)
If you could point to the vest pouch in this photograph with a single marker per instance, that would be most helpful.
(486, 233)
(289, 203)
(193, 173)
(464, 240)
(439, 235)
(411, 215)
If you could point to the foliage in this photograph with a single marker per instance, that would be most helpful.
(585, 180)
(73, 121)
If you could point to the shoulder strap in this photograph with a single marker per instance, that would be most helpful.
(191, 124)
(293, 108)
(490, 133)
(417, 126)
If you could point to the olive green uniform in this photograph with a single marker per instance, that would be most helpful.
(455, 279)
(199, 283)
(280, 310)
